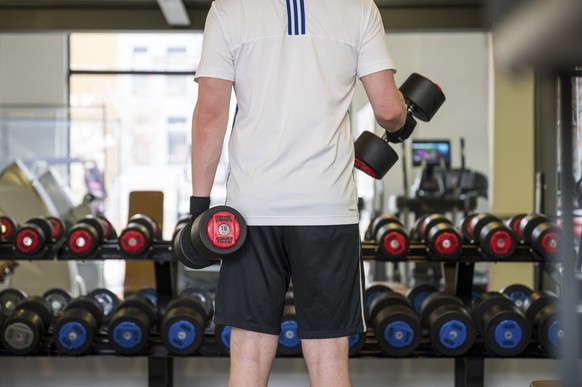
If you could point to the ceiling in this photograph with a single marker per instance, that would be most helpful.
(73, 15)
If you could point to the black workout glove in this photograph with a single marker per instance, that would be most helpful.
(404, 132)
(198, 205)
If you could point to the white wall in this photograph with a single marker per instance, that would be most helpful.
(458, 62)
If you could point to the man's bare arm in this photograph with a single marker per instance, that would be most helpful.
(387, 101)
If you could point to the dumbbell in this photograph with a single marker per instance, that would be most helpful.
(541, 310)
(514, 224)
(374, 291)
(9, 300)
(289, 343)
(222, 338)
(57, 299)
(450, 326)
(545, 239)
(396, 325)
(130, 326)
(391, 236)
(21, 332)
(59, 228)
(108, 300)
(139, 234)
(182, 327)
(418, 294)
(493, 236)
(8, 229)
(415, 229)
(32, 237)
(75, 330)
(503, 327)
(108, 229)
(528, 223)
(373, 155)
(517, 293)
(356, 343)
(441, 237)
(464, 227)
(213, 235)
(86, 236)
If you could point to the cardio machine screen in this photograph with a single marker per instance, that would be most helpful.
(432, 151)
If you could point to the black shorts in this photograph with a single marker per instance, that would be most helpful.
(324, 264)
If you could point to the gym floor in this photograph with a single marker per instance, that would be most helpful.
(208, 372)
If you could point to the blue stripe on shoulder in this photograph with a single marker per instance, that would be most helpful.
(296, 18)
(288, 18)
(302, 18)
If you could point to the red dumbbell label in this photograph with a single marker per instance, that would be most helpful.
(5, 229)
(500, 243)
(80, 242)
(223, 230)
(364, 168)
(446, 243)
(394, 243)
(515, 226)
(57, 229)
(27, 241)
(551, 242)
(132, 241)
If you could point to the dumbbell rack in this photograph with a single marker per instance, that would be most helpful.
(470, 368)
(160, 364)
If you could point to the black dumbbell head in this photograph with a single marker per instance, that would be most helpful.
(204, 296)
(218, 232)
(22, 332)
(182, 328)
(8, 229)
(393, 242)
(130, 325)
(30, 239)
(435, 301)
(497, 240)
(378, 222)
(373, 156)
(423, 96)
(513, 223)
(185, 251)
(529, 223)
(418, 294)
(545, 239)
(536, 301)
(386, 300)
(356, 343)
(444, 241)
(108, 300)
(57, 299)
(518, 293)
(149, 293)
(75, 331)
(485, 301)
(374, 291)
(97, 225)
(429, 222)
(9, 299)
(478, 222)
(465, 227)
(108, 229)
(138, 236)
(83, 239)
(38, 305)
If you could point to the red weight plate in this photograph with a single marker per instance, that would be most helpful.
(394, 243)
(6, 229)
(80, 242)
(223, 230)
(132, 242)
(551, 242)
(57, 228)
(446, 243)
(27, 241)
(364, 168)
(500, 243)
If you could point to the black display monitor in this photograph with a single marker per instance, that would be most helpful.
(432, 151)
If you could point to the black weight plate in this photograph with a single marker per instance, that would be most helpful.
(513, 224)
(545, 239)
(108, 300)
(181, 330)
(507, 332)
(435, 301)
(147, 222)
(187, 254)
(45, 225)
(228, 232)
(94, 222)
(385, 300)
(444, 241)
(9, 299)
(497, 240)
(21, 333)
(181, 223)
(8, 228)
(423, 96)
(373, 156)
(478, 222)
(128, 331)
(398, 330)
(38, 305)
(57, 299)
(192, 302)
(518, 293)
(378, 222)
(141, 303)
(90, 305)
(374, 291)
(82, 239)
(29, 239)
(536, 302)
(486, 301)
(431, 221)
(529, 223)
(418, 294)
(205, 297)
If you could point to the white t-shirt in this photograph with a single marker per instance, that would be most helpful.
(294, 64)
